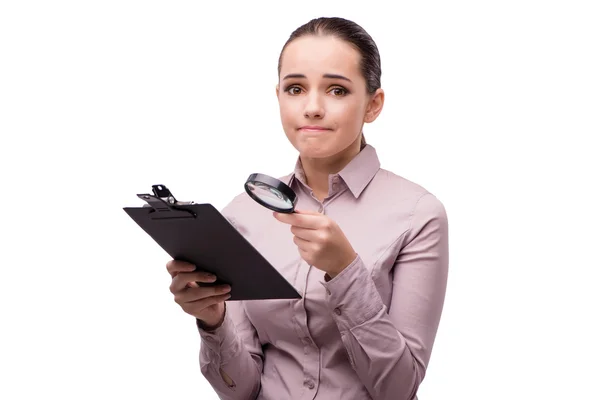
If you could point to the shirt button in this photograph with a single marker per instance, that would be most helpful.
(337, 311)
(328, 291)
(310, 384)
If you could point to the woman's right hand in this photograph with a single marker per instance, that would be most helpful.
(206, 303)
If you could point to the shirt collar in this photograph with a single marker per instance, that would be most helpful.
(356, 174)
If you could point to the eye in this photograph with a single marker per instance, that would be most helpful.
(338, 91)
(293, 90)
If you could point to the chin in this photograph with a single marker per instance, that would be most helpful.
(317, 149)
(315, 153)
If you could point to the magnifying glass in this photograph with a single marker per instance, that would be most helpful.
(271, 193)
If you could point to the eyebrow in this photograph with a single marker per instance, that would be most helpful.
(330, 76)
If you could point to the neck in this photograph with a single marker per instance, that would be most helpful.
(317, 170)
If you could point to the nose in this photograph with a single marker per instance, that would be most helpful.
(314, 107)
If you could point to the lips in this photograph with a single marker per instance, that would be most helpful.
(313, 128)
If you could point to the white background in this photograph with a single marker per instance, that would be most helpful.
(492, 106)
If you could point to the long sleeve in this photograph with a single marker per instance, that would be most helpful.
(390, 349)
(231, 357)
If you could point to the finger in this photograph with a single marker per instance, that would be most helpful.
(181, 280)
(307, 212)
(305, 233)
(199, 305)
(176, 266)
(300, 220)
(306, 256)
(194, 294)
(302, 244)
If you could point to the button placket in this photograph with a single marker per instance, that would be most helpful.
(311, 363)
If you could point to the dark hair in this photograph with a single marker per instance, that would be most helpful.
(354, 34)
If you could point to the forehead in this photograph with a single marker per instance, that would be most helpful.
(319, 55)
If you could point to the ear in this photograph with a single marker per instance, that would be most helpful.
(277, 90)
(375, 106)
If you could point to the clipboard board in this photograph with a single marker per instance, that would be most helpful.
(201, 235)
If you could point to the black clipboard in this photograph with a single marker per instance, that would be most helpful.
(201, 235)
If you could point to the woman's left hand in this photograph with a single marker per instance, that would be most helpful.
(320, 241)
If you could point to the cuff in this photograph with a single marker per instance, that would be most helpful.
(222, 340)
(352, 296)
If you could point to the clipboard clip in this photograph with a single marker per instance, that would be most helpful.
(164, 204)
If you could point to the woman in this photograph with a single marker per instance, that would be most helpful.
(367, 249)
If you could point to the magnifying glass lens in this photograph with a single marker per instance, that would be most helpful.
(271, 193)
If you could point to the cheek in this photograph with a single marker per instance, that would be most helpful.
(288, 112)
(347, 115)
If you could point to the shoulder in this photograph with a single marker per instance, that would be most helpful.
(397, 184)
(405, 193)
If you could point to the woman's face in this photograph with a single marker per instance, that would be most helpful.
(323, 100)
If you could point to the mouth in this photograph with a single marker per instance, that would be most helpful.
(313, 129)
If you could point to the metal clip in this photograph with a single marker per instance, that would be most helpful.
(165, 205)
